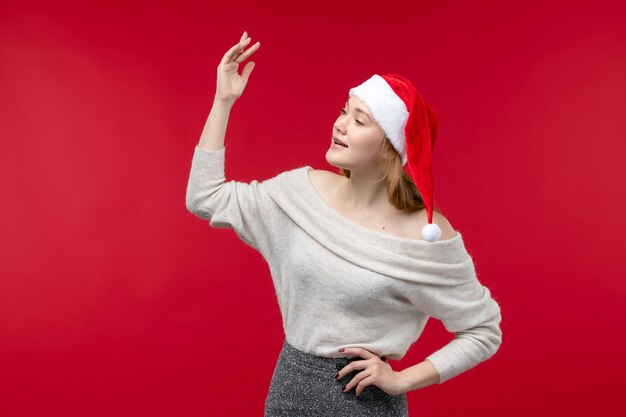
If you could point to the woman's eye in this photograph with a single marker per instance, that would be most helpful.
(343, 111)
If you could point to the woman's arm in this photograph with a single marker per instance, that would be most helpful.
(467, 309)
(244, 207)
(418, 376)
(230, 86)
(212, 138)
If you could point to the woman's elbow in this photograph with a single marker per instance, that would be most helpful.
(197, 206)
(203, 200)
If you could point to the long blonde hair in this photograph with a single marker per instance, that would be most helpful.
(401, 189)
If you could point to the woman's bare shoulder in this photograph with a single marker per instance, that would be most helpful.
(407, 225)
(447, 230)
(413, 223)
(323, 179)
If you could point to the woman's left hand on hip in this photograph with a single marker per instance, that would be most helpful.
(375, 371)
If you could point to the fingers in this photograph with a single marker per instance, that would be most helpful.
(352, 366)
(369, 375)
(247, 70)
(360, 381)
(236, 52)
(357, 351)
(369, 380)
(247, 53)
(369, 365)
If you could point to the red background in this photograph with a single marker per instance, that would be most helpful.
(116, 301)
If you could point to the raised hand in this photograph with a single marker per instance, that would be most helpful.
(230, 84)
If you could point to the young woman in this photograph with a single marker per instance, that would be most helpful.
(360, 259)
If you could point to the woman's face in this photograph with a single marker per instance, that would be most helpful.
(356, 127)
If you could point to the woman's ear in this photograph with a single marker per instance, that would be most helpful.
(386, 149)
(389, 153)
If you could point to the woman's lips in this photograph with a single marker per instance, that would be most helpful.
(340, 144)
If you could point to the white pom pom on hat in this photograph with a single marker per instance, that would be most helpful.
(411, 126)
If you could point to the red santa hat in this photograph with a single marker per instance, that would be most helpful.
(411, 126)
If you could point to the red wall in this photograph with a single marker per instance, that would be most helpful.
(116, 301)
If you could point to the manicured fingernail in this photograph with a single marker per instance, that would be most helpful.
(343, 389)
(341, 350)
(337, 376)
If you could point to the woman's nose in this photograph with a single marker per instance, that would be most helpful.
(340, 125)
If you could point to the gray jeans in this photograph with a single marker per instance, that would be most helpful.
(305, 385)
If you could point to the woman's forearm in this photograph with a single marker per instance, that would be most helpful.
(214, 131)
(418, 376)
